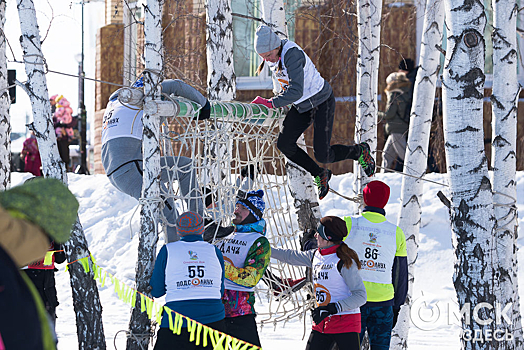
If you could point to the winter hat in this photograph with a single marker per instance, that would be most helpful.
(189, 223)
(406, 64)
(266, 40)
(46, 202)
(332, 228)
(139, 83)
(253, 201)
(376, 194)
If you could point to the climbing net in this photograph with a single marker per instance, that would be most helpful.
(240, 137)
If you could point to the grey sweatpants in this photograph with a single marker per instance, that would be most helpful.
(395, 147)
(128, 179)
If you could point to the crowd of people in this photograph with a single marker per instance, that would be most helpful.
(357, 264)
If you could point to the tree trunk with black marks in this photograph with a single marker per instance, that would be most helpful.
(221, 79)
(472, 214)
(504, 108)
(367, 68)
(5, 102)
(140, 324)
(415, 162)
(86, 300)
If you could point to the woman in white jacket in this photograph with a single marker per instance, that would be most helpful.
(339, 290)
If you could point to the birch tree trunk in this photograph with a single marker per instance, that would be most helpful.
(221, 79)
(504, 108)
(472, 214)
(5, 102)
(366, 116)
(86, 301)
(415, 162)
(140, 325)
(376, 20)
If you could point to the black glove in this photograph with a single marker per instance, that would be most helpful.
(395, 316)
(248, 171)
(322, 312)
(308, 240)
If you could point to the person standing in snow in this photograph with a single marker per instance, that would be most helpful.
(42, 274)
(246, 253)
(31, 156)
(122, 152)
(338, 287)
(381, 247)
(312, 101)
(31, 215)
(179, 273)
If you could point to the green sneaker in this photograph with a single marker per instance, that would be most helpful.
(366, 160)
(322, 183)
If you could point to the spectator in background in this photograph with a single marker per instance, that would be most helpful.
(63, 123)
(42, 274)
(31, 156)
(399, 94)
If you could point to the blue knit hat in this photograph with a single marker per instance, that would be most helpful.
(139, 83)
(253, 201)
(189, 223)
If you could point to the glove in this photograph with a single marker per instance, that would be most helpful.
(395, 316)
(321, 312)
(262, 101)
(248, 171)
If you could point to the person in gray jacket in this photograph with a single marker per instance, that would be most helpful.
(339, 290)
(122, 152)
(312, 101)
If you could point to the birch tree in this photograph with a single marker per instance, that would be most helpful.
(472, 214)
(415, 162)
(5, 123)
(86, 301)
(366, 116)
(221, 80)
(504, 108)
(139, 325)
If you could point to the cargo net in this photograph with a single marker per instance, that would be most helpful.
(234, 152)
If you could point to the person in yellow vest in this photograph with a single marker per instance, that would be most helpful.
(381, 248)
(42, 274)
(31, 216)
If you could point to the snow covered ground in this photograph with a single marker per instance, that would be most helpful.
(108, 217)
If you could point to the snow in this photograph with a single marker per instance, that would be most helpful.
(111, 223)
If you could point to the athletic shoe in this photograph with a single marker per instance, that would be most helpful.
(366, 160)
(322, 183)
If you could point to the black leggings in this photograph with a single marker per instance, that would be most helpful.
(322, 118)
(323, 341)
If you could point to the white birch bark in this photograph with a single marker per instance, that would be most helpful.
(376, 22)
(140, 325)
(88, 309)
(366, 116)
(504, 108)
(472, 214)
(5, 102)
(221, 79)
(415, 162)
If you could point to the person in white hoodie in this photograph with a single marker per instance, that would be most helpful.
(339, 290)
(312, 101)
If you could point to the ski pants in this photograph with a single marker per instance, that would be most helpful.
(378, 320)
(395, 147)
(322, 118)
(128, 179)
(324, 341)
(243, 328)
(167, 340)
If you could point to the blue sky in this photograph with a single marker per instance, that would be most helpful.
(60, 20)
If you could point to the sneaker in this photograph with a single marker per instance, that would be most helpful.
(366, 160)
(322, 183)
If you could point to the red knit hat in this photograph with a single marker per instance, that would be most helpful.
(376, 194)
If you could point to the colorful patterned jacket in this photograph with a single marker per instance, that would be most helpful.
(239, 303)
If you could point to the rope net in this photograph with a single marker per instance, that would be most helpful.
(239, 137)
